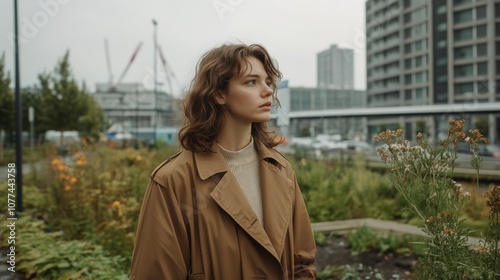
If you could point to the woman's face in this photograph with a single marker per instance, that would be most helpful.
(249, 96)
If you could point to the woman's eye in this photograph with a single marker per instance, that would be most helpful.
(251, 82)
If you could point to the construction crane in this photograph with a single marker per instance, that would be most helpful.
(168, 71)
(108, 61)
(130, 62)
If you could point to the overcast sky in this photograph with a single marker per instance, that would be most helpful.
(293, 31)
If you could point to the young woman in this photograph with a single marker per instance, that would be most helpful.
(228, 205)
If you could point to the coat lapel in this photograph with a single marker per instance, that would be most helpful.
(230, 197)
(277, 197)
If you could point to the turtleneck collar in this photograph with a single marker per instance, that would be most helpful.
(243, 156)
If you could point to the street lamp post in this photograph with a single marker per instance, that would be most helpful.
(19, 119)
(157, 117)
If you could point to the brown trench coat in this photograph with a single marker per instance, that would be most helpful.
(219, 237)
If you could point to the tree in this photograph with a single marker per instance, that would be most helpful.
(31, 97)
(91, 124)
(65, 105)
(6, 104)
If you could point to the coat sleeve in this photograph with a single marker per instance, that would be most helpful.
(161, 249)
(304, 243)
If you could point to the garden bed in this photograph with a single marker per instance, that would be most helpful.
(336, 259)
(380, 249)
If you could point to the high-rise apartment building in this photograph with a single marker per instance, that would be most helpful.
(424, 52)
(335, 68)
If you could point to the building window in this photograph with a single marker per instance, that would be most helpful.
(420, 77)
(481, 31)
(482, 68)
(481, 50)
(408, 79)
(407, 32)
(442, 61)
(407, 17)
(420, 61)
(441, 10)
(410, 3)
(419, 14)
(481, 12)
(482, 87)
(441, 44)
(463, 34)
(420, 45)
(420, 29)
(408, 48)
(408, 63)
(461, 2)
(463, 16)
(442, 78)
(408, 94)
(466, 70)
(442, 26)
(462, 88)
(419, 93)
(464, 52)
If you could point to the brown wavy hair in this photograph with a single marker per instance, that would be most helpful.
(204, 117)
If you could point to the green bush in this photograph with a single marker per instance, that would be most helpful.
(366, 240)
(344, 189)
(46, 255)
(93, 197)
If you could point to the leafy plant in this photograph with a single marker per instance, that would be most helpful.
(365, 240)
(423, 174)
(93, 196)
(46, 255)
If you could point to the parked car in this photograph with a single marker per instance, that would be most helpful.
(327, 145)
(358, 146)
(489, 150)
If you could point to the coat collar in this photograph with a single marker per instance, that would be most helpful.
(277, 196)
(213, 163)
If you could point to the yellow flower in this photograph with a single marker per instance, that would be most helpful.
(56, 162)
(67, 188)
(118, 206)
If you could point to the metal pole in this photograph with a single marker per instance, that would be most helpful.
(157, 117)
(136, 115)
(31, 117)
(19, 119)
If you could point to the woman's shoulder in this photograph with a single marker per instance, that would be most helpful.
(174, 164)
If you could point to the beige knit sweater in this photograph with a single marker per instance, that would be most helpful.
(245, 166)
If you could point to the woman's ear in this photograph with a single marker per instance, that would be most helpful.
(220, 98)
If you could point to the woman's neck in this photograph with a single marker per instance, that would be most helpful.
(235, 138)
